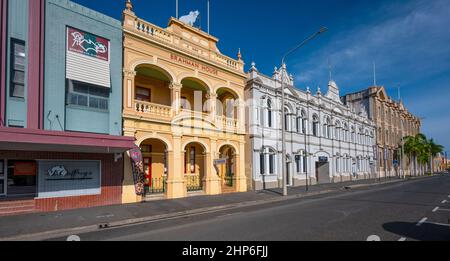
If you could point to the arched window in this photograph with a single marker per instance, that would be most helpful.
(315, 126)
(353, 134)
(345, 138)
(286, 119)
(338, 167)
(327, 128)
(337, 129)
(267, 162)
(269, 113)
(304, 124)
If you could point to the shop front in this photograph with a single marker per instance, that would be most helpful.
(67, 171)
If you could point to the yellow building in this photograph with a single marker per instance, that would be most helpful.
(183, 102)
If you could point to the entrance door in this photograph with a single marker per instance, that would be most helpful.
(2, 178)
(21, 178)
(148, 173)
(323, 172)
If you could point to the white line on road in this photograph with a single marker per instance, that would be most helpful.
(402, 239)
(435, 209)
(423, 220)
(444, 201)
(443, 209)
(439, 224)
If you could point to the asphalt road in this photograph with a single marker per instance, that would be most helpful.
(413, 210)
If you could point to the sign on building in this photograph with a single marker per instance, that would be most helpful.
(68, 178)
(88, 58)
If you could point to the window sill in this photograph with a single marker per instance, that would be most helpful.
(85, 108)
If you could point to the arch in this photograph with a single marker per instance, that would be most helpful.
(155, 137)
(223, 144)
(207, 84)
(228, 89)
(203, 144)
(154, 65)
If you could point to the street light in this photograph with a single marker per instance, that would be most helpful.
(283, 130)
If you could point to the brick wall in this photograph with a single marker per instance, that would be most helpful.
(112, 176)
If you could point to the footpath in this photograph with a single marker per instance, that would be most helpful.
(41, 226)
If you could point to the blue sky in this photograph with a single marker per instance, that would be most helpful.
(408, 40)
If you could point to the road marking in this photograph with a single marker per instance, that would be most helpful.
(373, 238)
(423, 220)
(435, 209)
(444, 201)
(443, 209)
(402, 239)
(439, 224)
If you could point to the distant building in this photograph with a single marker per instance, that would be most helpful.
(327, 141)
(393, 122)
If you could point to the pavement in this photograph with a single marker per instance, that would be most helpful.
(42, 226)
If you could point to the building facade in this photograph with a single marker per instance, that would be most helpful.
(393, 123)
(61, 142)
(326, 140)
(181, 103)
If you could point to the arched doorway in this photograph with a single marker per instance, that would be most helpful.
(194, 166)
(227, 106)
(227, 171)
(154, 155)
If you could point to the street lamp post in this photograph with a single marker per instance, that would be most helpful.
(283, 130)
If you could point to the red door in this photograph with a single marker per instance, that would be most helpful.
(148, 171)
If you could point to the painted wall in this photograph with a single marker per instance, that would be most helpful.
(16, 108)
(58, 116)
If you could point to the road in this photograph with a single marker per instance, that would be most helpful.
(407, 211)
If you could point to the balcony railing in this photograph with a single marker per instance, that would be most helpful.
(162, 35)
(227, 123)
(193, 183)
(156, 186)
(153, 109)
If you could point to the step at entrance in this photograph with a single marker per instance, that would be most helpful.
(16, 207)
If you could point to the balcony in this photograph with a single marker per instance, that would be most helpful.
(153, 110)
(164, 36)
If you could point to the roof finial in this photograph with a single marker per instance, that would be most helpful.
(239, 54)
(129, 5)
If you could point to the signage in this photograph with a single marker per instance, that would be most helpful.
(88, 44)
(25, 169)
(220, 161)
(137, 167)
(193, 64)
(323, 159)
(65, 178)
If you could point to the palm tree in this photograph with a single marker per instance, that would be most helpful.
(435, 149)
(414, 146)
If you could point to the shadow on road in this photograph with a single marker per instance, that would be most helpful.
(425, 232)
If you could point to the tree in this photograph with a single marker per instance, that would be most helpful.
(422, 151)
(435, 149)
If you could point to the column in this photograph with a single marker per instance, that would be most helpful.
(176, 187)
(212, 181)
(128, 89)
(241, 179)
(175, 96)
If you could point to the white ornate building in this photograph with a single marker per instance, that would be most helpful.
(326, 141)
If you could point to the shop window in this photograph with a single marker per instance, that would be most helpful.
(86, 95)
(143, 94)
(18, 59)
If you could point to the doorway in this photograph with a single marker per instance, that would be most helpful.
(21, 178)
(323, 172)
(2, 178)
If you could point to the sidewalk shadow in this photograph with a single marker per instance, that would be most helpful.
(425, 232)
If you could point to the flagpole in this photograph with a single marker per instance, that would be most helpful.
(208, 15)
(176, 8)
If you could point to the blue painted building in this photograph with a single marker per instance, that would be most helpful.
(60, 106)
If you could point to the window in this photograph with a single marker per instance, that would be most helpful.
(184, 103)
(262, 163)
(269, 113)
(271, 163)
(18, 59)
(315, 126)
(143, 94)
(304, 122)
(286, 119)
(297, 163)
(305, 162)
(86, 95)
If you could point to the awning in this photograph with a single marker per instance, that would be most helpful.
(58, 141)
